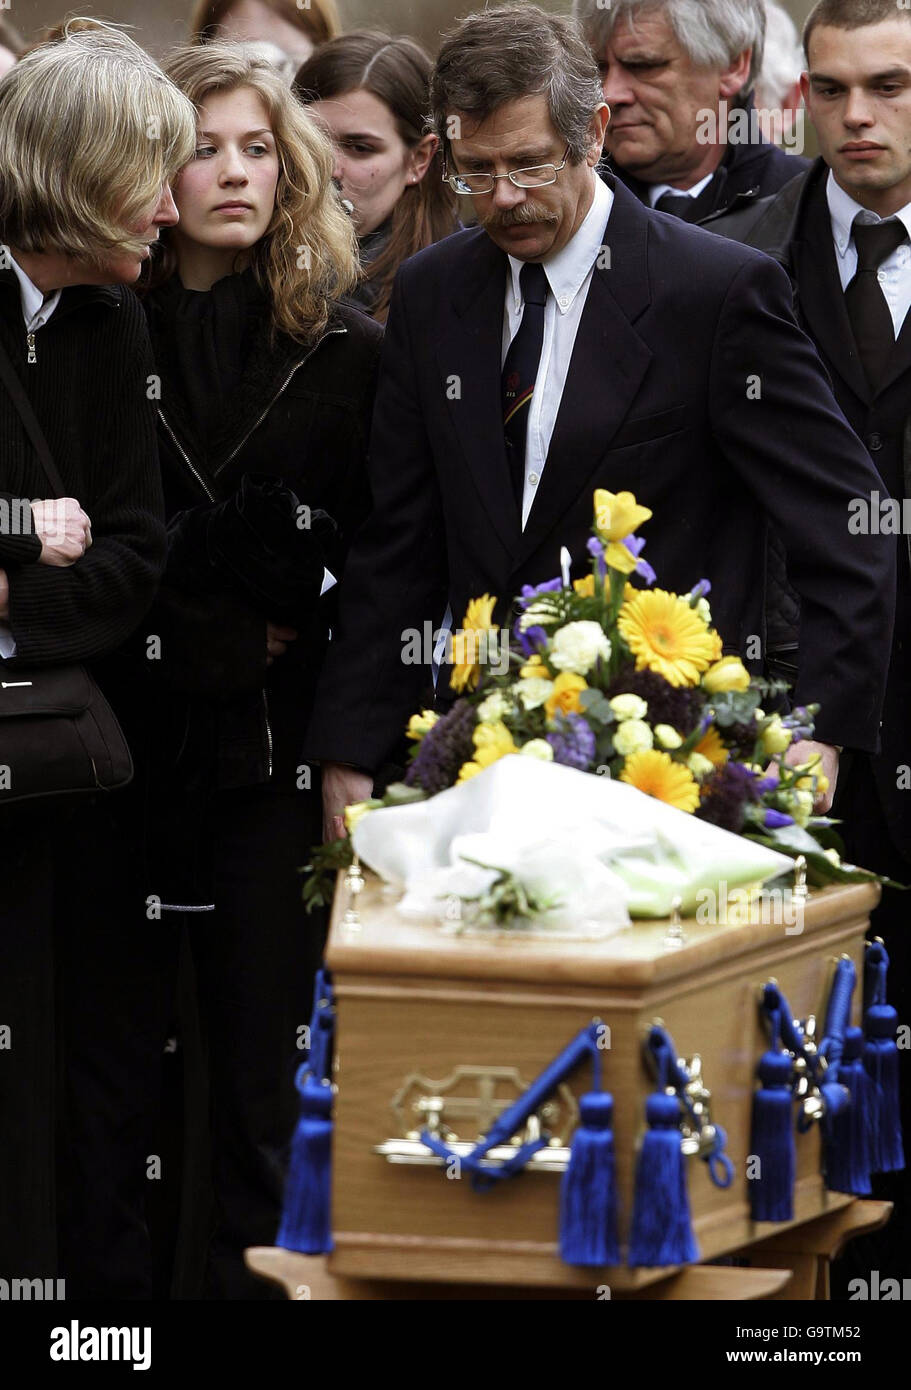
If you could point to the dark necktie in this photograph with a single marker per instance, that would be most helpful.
(683, 206)
(520, 371)
(874, 332)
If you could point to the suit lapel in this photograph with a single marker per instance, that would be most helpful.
(608, 363)
(468, 357)
(822, 300)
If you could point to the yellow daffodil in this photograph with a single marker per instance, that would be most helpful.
(565, 697)
(618, 515)
(470, 642)
(657, 775)
(727, 674)
(666, 635)
(421, 724)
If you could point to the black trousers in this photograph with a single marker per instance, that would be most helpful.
(84, 984)
(868, 842)
(254, 960)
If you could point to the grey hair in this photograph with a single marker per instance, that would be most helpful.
(515, 51)
(710, 32)
(782, 61)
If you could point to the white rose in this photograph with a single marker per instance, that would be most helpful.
(538, 748)
(633, 736)
(577, 646)
(629, 707)
(667, 736)
(492, 710)
(534, 691)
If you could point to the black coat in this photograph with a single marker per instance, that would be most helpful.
(795, 229)
(301, 418)
(656, 402)
(759, 169)
(89, 390)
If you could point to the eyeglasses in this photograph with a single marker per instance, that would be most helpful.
(538, 176)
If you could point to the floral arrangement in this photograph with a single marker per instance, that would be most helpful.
(626, 681)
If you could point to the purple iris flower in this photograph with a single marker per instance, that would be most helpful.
(775, 819)
(530, 592)
(596, 551)
(532, 640)
(701, 590)
(635, 545)
(766, 784)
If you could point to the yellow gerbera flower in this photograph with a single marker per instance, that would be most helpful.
(617, 515)
(658, 775)
(666, 635)
(470, 642)
(711, 747)
(565, 698)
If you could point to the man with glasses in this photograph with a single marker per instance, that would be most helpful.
(575, 340)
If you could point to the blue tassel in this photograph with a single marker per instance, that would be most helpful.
(881, 1064)
(847, 1133)
(772, 1141)
(306, 1220)
(588, 1199)
(662, 1232)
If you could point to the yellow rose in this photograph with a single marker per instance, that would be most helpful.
(727, 674)
(775, 737)
(421, 724)
(534, 667)
(617, 515)
(565, 698)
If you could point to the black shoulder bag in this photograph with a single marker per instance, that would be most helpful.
(58, 734)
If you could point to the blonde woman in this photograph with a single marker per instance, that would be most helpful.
(267, 386)
(82, 198)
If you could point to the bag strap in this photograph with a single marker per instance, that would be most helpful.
(23, 405)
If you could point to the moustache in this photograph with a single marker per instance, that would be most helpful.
(521, 216)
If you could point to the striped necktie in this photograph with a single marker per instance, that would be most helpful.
(520, 371)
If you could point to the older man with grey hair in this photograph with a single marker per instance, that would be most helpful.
(678, 76)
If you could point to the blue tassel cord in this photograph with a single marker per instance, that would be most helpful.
(588, 1192)
(847, 1133)
(306, 1213)
(881, 1064)
(662, 1230)
(772, 1143)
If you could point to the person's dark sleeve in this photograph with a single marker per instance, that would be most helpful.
(395, 577)
(17, 548)
(71, 613)
(781, 430)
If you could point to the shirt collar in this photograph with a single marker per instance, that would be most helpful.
(658, 190)
(35, 310)
(568, 270)
(843, 209)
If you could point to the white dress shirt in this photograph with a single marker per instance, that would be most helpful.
(894, 275)
(658, 190)
(569, 275)
(36, 310)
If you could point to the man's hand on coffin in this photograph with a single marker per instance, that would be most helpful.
(342, 786)
(808, 751)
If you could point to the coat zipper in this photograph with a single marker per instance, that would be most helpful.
(209, 493)
(279, 393)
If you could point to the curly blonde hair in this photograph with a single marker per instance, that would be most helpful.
(307, 257)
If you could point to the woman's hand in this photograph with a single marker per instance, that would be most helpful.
(64, 530)
(277, 639)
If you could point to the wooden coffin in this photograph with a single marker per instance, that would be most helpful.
(470, 1018)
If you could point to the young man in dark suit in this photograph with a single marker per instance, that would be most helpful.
(841, 232)
(663, 361)
(678, 76)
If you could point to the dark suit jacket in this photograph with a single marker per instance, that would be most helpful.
(656, 402)
(761, 169)
(796, 229)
